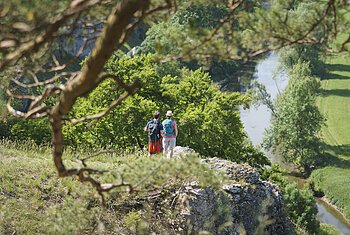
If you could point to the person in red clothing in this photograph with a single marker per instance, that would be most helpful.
(169, 135)
(155, 132)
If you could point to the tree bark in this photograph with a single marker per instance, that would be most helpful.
(87, 80)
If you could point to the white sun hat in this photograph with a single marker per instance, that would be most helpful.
(169, 113)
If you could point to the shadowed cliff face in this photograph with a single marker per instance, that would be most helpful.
(246, 205)
(81, 41)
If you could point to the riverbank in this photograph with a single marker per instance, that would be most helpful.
(340, 214)
(328, 213)
(333, 178)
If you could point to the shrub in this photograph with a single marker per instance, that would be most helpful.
(300, 203)
(301, 207)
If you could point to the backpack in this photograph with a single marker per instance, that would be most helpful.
(168, 127)
(153, 131)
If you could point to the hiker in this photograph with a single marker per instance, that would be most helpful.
(155, 131)
(169, 135)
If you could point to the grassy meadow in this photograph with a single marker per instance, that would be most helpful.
(33, 200)
(334, 177)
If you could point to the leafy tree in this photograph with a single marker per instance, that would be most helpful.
(208, 119)
(162, 38)
(36, 130)
(260, 96)
(299, 202)
(297, 120)
(310, 54)
(301, 208)
(167, 38)
(123, 126)
(201, 16)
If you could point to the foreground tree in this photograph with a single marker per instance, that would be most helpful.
(30, 31)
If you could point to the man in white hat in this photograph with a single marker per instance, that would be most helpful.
(169, 134)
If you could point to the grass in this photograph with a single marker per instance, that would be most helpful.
(334, 178)
(33, 200)
(327, 229)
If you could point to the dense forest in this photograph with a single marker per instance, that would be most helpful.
(80, 80)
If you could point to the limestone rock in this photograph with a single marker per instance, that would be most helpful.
(248, 205)
(179, 150)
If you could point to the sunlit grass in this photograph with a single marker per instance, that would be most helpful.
(327, 229)
(33, 200)
(334, 103)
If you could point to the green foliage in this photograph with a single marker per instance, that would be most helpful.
(290, 19)
(260, 96)
(201, 110)
(36, 130)
(3, 109)
(254, 25)
(163, 38)
(310, 54)
(34, 12)
(201, 16)
(327, 229)
(254, 157)
(123, 126)
(300, 203)
(297, 120)
(273, 173)
(191, 24)
(301, 207)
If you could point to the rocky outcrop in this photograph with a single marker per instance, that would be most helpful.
(179, 151)
(247, 205)
(81, 41)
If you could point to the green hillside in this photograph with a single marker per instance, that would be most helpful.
(33, 200)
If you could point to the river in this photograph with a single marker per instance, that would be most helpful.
(257, 119)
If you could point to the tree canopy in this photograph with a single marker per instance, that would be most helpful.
(297, 119)
(200, 108)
